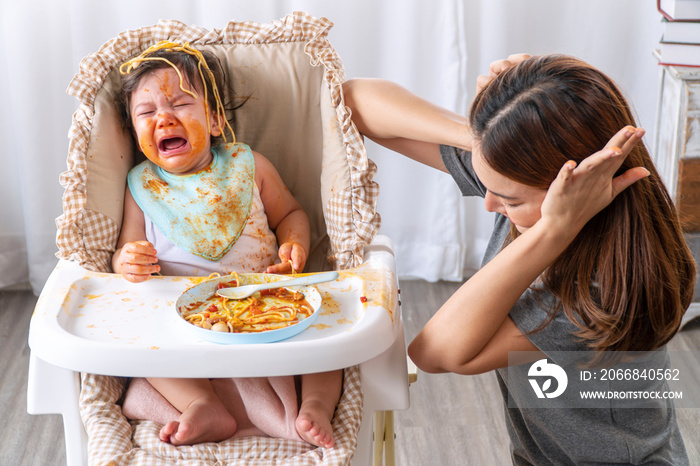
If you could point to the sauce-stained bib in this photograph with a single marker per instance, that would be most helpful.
(203, 213)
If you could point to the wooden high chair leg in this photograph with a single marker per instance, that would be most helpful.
(378, 438)
(389, 439)
(384, 439)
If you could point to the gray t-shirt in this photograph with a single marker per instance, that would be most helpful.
(565, 435)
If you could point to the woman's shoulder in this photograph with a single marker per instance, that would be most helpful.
(459, 164)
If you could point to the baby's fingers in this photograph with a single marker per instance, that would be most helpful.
(285, 265)
(141, 248)
(138, 261)
(298, 257)
(137, 277)
(293, 259)
(280, 268)
(285, 252)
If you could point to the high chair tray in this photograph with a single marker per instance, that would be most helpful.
(102, 324)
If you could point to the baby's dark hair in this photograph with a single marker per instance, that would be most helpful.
(187, 64)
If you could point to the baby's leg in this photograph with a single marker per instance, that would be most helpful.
(204, 417)
(319, 396)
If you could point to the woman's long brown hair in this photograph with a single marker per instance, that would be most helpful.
(627, 278)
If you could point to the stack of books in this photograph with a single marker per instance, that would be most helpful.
(680, 43)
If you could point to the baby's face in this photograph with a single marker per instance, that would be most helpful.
(171, 125)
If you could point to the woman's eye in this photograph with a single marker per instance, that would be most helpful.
(510, 206)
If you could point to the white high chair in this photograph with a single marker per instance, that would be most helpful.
(91, 328)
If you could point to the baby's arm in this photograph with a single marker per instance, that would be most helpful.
(135, 258)
(285, 217)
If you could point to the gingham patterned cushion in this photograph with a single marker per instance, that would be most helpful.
(113, 440)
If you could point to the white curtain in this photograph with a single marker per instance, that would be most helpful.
(435, 48)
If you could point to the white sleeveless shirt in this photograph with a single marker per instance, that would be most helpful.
(254, 251)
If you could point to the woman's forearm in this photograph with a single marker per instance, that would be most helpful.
(396, 118)
(456, 335)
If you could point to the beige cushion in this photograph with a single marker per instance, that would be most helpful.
(114, 440)
(295, 116)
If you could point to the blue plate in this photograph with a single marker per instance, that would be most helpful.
(207, 288)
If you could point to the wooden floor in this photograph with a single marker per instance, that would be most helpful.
(453, 420)
(459, 420)
(24, 439)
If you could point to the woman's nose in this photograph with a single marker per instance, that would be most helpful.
(492, 203)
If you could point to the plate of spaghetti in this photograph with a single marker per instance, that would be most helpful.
(265, 317)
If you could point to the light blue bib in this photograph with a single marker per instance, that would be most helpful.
(203, 213)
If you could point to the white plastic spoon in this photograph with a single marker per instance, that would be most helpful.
(240, 292)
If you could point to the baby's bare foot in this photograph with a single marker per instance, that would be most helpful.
(314, 425)
(204, 420)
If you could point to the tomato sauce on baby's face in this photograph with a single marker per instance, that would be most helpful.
(172, 127)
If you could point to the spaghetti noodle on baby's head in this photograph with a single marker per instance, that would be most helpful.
(199, 71)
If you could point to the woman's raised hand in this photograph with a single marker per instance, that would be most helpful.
(497, 67)
(579, 192)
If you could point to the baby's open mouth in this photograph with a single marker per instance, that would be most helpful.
(171, 144)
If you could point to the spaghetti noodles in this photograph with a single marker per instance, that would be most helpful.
(266, 310)
(202, 66)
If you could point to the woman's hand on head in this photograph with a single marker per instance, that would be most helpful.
(499, 66)
(137, 261)
(293, 257)
(578, 193)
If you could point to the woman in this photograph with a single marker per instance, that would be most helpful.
(580, 246)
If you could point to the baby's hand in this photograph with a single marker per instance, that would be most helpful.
(293, 257)
(137, 261)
